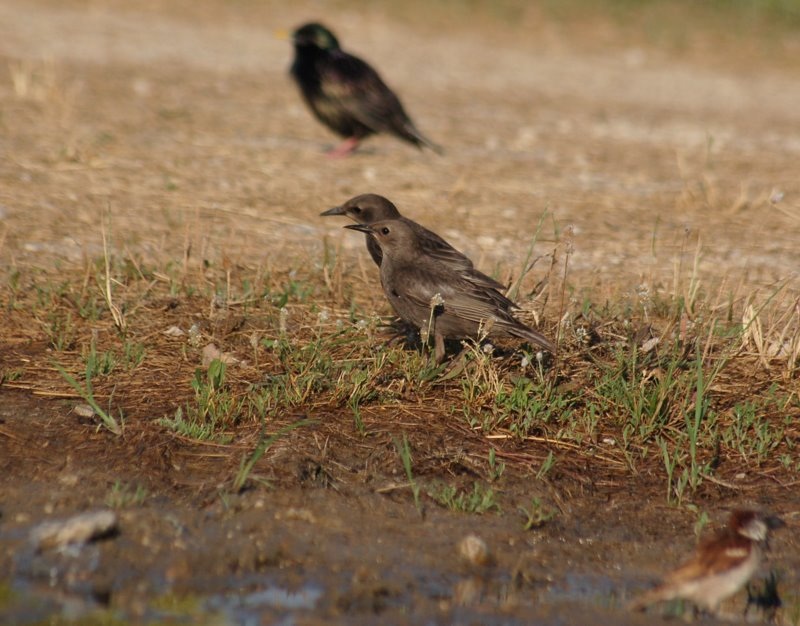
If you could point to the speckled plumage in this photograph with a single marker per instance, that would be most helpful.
(346, 94)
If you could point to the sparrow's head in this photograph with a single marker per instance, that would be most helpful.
(315, 35)
(367, 208)
(753, 525)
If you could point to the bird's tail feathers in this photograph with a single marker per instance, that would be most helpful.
(659, 594)
(536, 338)
(421, 140)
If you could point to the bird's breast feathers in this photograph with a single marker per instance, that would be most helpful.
(718, 557)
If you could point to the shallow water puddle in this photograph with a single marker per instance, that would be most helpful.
(25, 602)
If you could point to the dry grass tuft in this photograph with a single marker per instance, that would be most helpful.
(301, 343)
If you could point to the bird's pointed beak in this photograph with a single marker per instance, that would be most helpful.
(364, 228)
(281, 34)
(337, 210)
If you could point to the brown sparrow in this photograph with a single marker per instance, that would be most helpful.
(722, 565)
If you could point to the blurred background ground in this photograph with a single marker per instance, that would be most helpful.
(632, 131)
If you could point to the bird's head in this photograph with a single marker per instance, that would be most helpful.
(394, 236)
(367, 208)
(753, 525)
(315, 35)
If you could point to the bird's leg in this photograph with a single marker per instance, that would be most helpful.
(439, 351)
(700, 612)
(752, 598)
(457, 365)
(345, 148)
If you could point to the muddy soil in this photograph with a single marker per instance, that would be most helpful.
(178, 126)
(325, 550)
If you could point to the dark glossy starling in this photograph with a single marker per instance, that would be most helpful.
(369, 208)
(346, 94)
(437, 299)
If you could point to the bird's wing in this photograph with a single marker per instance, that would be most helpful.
(713, 557)
(482, 280)
(441, 250)
(460, 296)
(479, 305)
(358, 88)
(464, 300)
(419, 288)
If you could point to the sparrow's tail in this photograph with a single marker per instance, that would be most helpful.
(659, 594)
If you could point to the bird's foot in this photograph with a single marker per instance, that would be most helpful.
(346, 148)
(455, 367)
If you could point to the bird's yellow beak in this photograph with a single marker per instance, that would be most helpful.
(281, 34)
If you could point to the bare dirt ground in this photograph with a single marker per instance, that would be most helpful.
(175, 129)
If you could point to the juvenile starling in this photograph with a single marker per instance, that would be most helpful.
(436, 298)
(347, 94)
(369, 208)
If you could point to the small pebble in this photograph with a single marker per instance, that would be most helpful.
(474, 550)
(78, 529)
(83, 410)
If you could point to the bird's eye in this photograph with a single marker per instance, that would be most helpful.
(384, 231)
(356, 210)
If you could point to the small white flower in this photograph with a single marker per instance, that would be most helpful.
(425, 332)
(437, 300)
(283, 317)
(194, 335)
